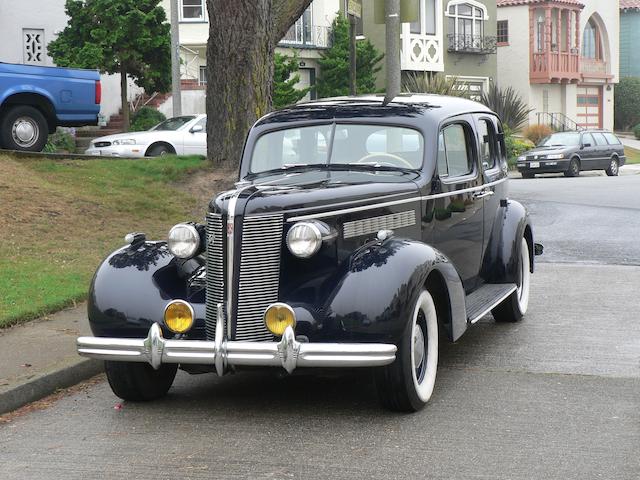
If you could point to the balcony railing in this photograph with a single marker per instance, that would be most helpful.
(479, 44)
(307, 36)
(554, 67)
(593, 66)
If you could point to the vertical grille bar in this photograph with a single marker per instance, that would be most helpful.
(215, 271)
(259, 275)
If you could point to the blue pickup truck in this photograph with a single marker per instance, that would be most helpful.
(35, 100)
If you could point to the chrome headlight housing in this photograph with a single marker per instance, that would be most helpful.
(184, 240)
(125, 141)
(522, 158)
(304, 239)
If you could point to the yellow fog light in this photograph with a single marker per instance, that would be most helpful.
(178, 316)
(278, 317)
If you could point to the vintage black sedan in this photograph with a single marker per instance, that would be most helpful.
(358, 235)
(572, 152)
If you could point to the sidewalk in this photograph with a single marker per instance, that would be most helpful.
(629, 142)
(39, 357)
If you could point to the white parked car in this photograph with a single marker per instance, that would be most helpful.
(186, 135)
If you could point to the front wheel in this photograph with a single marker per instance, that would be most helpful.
(139, 382)
(24, 128)
(527, 174)
(407, 384)
(614, 168)
(515, 306)
(160, 150)
(574, 168)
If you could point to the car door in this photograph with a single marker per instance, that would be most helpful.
(195, 138)
(603, 150)
(458, 203)
(588, 153)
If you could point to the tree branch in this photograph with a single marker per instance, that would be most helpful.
(285, 14)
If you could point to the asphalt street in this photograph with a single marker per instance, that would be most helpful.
(556, 396)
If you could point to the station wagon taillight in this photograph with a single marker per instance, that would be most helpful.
(98, 92)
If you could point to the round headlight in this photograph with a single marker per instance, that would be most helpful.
(178, 316)
(279, 316)
(304, 239)
(184, 240)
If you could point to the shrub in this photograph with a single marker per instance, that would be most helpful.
(61, 141)
(536, 133)
(285, 79)
(508, 104)
(145, 118)
(422, 82)
(516, 146)
(636, 131)
(627, 103)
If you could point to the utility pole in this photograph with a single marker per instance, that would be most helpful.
(392, 22)
(352, 55)
(175, 60)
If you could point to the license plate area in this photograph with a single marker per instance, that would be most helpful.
(534, 164)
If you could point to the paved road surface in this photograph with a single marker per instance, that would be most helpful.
(554, 397)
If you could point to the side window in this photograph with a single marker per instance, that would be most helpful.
(202, 123)
(487, 143)
(456, 151)
(442, 157)
(611, 138)
(587, 138)
(600, 140)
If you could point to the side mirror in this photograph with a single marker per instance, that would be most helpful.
(196, 129)
(585, 145)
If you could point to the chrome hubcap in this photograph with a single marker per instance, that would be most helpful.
(614, 166)
(25, 132)
(524, 277)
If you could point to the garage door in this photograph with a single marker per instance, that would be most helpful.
(590, 107)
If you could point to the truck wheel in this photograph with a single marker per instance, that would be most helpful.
(24, 128)
(407, 384)
(139, 382)
(515, 306)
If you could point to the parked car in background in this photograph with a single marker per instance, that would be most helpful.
(358, 235)
(186, 135)
(35, 100)
(573, 152)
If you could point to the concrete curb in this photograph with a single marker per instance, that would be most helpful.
(64, 375)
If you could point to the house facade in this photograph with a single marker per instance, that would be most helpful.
(455, 38)
(629, 38)
(309, 36)
(562, 56)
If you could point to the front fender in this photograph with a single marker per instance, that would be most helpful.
(131, 289)
(375, 297)
(501, 258)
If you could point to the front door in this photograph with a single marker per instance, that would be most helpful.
(457, 200)
(589, 107)
(195, 143)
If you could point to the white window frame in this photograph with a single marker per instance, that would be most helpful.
(473, 4)
(200, 19)
(462, 80)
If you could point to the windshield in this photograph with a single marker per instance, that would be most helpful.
(174, 123)
(338, 144)
(561, 139)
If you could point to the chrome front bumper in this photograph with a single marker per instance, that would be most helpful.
(288, 352)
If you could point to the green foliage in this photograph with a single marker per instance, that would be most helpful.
(145, 118)
(636, 131)
(508, 104)
(60, 141)
(285, 79)
(117, 36)
(516, 146)
(334, 63)
(422, 82)
(627, 103)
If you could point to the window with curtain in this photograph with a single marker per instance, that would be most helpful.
(591, 41)
(192, 10)
(428, 14)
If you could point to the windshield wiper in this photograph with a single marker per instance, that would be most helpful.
(288, 167)
(368, 166)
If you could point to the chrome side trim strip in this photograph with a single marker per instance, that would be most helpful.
(496, 302)
(362, 208)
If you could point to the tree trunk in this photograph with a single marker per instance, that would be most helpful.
(242, 38)
(124, 100)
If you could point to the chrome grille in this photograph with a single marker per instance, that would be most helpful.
(375, 224)
(259, 275)
(215, 271)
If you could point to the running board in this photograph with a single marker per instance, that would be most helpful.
(485, 298)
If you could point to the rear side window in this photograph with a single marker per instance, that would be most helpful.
(600, 140)
(454, 158)
(611, 138)
(487, 143)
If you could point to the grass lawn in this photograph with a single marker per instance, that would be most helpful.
(633, 155)
(59, 219)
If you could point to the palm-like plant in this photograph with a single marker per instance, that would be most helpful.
(509, 106)
(438, 84)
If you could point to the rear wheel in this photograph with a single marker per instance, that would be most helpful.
(139, 382)
(515, 306)
(574, 168)
(407, 384)
(614, 167)
(24, 128)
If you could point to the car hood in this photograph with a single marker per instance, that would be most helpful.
(320, 190)
(141, 136)
(550, 150)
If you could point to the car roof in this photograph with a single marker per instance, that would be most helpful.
(405, 105)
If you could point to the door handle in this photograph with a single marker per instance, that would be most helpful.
(482, 194)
